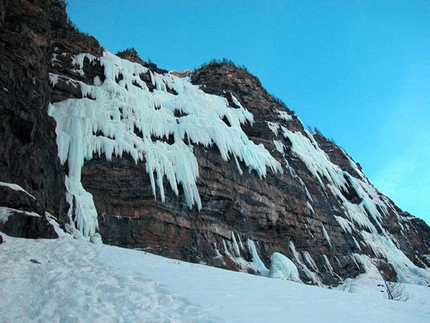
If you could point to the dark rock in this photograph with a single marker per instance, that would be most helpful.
(23, 224)
(28, 154)
(21, 214)
(17, 199)
(30, 32)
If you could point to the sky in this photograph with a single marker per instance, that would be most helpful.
(359, 71)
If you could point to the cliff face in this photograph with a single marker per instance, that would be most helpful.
(235, 175)
(28, 152)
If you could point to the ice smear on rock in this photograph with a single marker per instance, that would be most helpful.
(282, 267)
(122, 116)
(364, 216)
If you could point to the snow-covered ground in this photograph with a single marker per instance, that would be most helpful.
(73, 280)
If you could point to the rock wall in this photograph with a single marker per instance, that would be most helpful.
(28, 153)
(30, 31)
(244, 218)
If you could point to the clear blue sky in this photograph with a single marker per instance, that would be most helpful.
(357, 70)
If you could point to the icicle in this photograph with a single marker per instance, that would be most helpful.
(116, 117)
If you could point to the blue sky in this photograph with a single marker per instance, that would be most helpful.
(357, 70)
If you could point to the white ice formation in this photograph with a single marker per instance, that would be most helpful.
(282, 267)
(364, 217)
(121, 115)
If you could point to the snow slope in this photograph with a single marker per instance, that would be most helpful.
(73, 280)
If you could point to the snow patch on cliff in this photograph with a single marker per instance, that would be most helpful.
(16, 187)
(283, 115)
(6, 212)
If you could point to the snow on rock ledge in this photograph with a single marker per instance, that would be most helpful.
(122, 115)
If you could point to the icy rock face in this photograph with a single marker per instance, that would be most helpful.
(122, 115)
(28, 153)
(318, 209)
(30, 30)
(210, 168)
(327, 213)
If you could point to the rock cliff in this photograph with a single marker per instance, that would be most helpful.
(205, 167)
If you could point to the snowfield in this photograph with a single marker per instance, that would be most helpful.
(73, 280)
